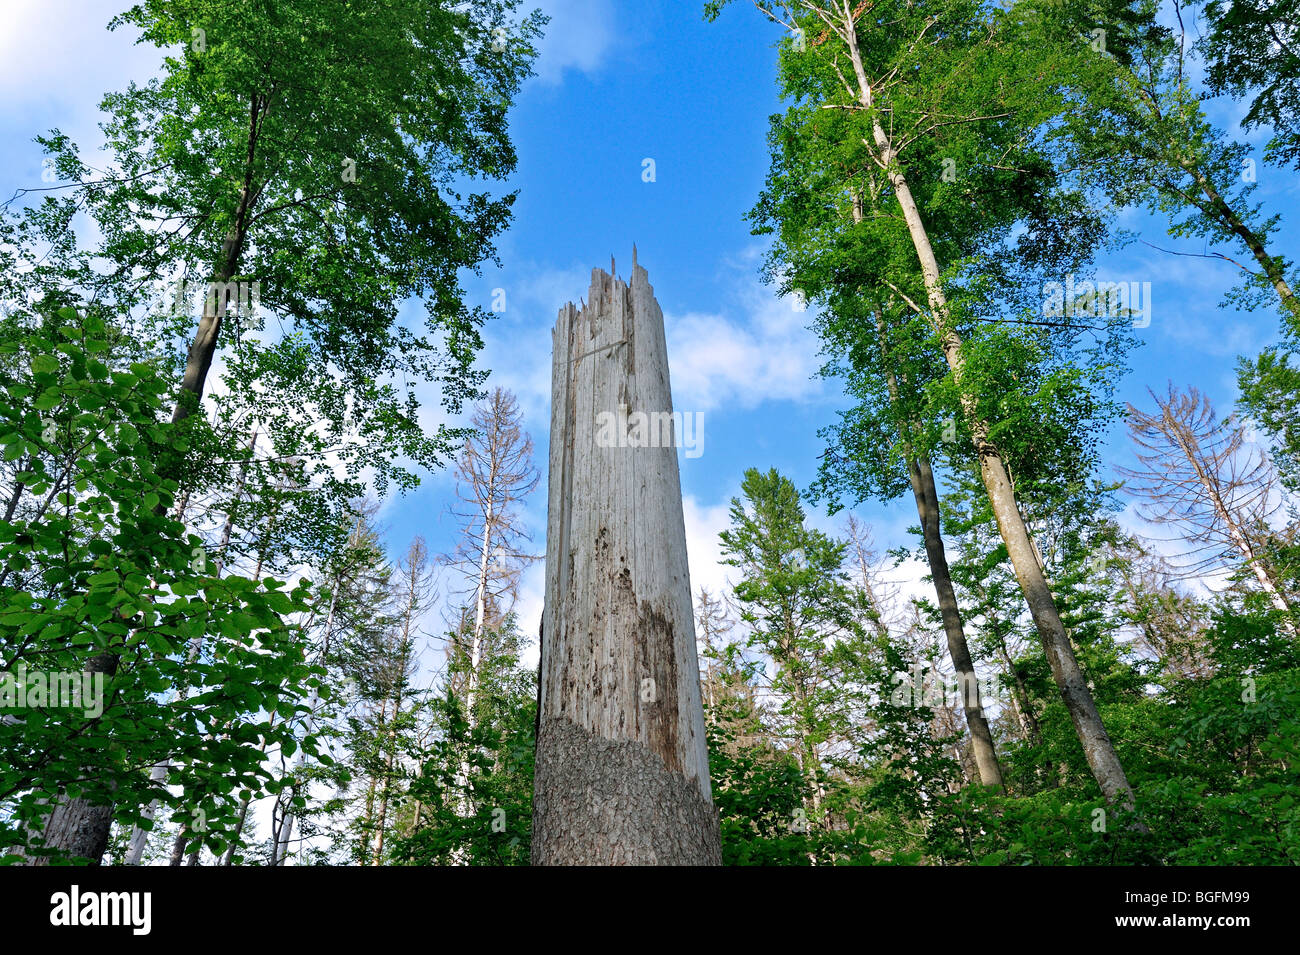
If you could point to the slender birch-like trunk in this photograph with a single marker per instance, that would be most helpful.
(476, 639)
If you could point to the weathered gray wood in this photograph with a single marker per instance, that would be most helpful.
(622, 773)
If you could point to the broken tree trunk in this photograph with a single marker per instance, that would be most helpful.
(622, 768)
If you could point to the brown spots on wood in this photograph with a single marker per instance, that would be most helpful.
(655, 658)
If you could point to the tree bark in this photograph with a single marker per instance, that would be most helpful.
(388, 773)
(140, 835)
(622, 772)
(204, 346)
(921, 476)
(927, 506)
(77, 827)
(476, 649)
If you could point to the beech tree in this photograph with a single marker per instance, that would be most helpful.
(92, 563)
(301, 156)
(901, 79)
(1140, 130)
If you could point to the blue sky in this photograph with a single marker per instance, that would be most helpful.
(619, 83)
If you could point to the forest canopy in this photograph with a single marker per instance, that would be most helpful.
(1006, 599)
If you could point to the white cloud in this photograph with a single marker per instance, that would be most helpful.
(703, 549)
(579, 37)
(715, 361)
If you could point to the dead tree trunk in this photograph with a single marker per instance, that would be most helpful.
(622, 767)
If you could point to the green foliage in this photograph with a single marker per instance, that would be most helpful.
(96, 576)
(1251, 49)
(1139, 129)
(1003, 219)
(327, 156)
(1270, 396)
(475, 783)
(758, 791)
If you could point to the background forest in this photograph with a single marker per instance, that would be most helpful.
(1012, 595)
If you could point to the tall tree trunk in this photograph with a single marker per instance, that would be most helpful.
(179, 846)
(480, 601)
(622, 771)
(368, 820)
(76, 826)
(78, 829)
(921, 476)
(1097, 746)
(927, 506)
(139, 834)
(465, 806)
(204, 346)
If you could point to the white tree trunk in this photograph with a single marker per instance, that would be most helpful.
(480, 610)
(140, 836)
(622, 766)
(475, 653)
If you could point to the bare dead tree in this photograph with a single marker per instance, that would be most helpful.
(1198, 477)
(622, 764)
(494, 475)
(875, 592)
